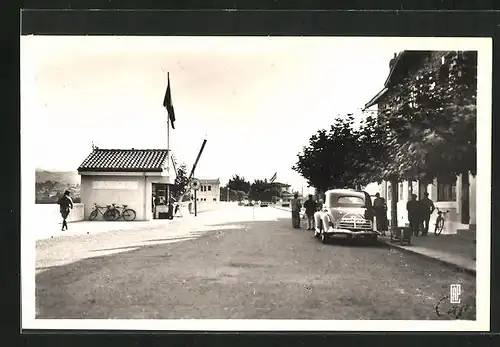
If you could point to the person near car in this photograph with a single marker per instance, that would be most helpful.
(380, 209)
(413, 207)
(65, 205)
(311, 207)
(427, 208)
(295, 206)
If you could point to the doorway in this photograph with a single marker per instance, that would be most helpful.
(160, 197)
(465, 201)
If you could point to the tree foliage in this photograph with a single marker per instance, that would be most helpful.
(428, 120)
(181, 183)
(262, 190)
(331, 159)
(425, 128)
(234, 195)
(239, 183)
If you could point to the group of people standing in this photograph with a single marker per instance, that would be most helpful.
(310, 206)
(419, 213)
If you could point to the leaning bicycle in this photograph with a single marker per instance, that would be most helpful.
(438, 229)
(124, 212)
(108, 215)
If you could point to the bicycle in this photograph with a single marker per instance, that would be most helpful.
(439, 222)
(127, 214)
(107, 215)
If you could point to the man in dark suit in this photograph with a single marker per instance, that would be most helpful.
(65, 205)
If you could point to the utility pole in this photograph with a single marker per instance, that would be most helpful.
(195, 204)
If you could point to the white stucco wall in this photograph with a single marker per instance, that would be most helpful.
(214, 193)
(452, 219)
(472, 201)
(132, 190)
(49, 214)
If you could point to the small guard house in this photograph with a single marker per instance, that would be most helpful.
(126, 177)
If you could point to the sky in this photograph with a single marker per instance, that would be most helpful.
(256, 100)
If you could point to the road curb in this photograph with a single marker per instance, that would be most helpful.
(450, 264)
(287, 209)
(388, 244)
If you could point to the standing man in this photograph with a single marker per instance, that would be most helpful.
(310, 206)
(427, 207)
(190, 205)
(380, 209)
(412, 207)
(65, 205)
(170, 210)
(295, 205)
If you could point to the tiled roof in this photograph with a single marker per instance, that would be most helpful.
(135, 160)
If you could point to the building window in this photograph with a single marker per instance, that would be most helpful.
(209, 188)
(446, 190)
(215, 199)
(389, 191)
(400, 191)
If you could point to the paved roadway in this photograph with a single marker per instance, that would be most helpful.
(236, 262)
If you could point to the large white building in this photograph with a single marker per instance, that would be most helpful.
(209, 191)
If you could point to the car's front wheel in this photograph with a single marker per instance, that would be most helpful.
(324, 238)
(372, 240)
(317, 230)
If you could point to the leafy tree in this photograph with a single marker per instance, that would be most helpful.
(261, 190)
(179, 188)
(330, 159)
(429, 119)
(233, 194)
(426, 124)
(241, 195)
(238, 183)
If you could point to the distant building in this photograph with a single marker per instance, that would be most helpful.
(125, 177)
(209, 190)
(281, 187)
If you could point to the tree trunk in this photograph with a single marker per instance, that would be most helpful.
(394, 202)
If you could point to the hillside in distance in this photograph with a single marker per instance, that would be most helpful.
(63, 177)
(50, 184)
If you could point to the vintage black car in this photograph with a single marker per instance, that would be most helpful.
(347, 213)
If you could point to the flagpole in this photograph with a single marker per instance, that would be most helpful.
(168, 122)
(168, 151)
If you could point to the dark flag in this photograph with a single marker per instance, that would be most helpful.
(167, 103)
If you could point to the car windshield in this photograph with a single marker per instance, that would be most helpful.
(350, 201)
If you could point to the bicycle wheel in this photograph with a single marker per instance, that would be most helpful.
(116, 213)
(439, 225)
(109, 215)
(93, 215)
(128, 214)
